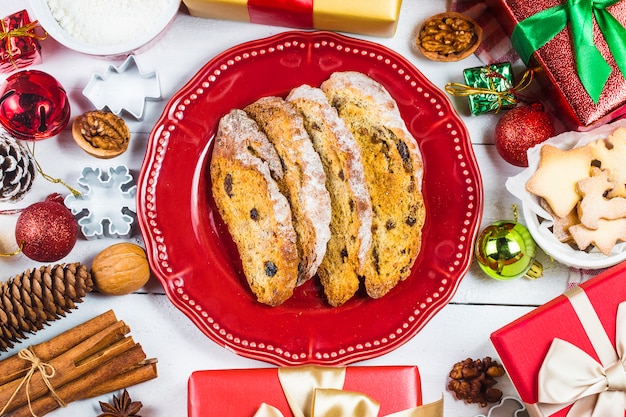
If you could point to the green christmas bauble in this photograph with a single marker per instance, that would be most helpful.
(505, 250)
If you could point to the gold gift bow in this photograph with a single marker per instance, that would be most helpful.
(569, 375)
(511, 94)
(27, 30)
(314, 391)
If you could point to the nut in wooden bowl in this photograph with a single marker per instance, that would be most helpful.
(448, 37)
(101, 133)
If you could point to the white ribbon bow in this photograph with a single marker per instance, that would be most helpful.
(313, 391)
(570, 375)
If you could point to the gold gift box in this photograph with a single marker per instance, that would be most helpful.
(367, 17)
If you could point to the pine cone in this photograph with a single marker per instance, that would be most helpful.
(17, 169)
(32, 299)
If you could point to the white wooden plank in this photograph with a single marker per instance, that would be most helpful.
(480, 305)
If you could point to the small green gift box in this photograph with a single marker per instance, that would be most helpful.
(488, 89)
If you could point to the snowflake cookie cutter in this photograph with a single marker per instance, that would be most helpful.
(507, 407)
(106, 207)
(123, 88)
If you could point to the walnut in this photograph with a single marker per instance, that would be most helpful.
(472, 381)
(120, 269)
(448, 37)
(101, 133)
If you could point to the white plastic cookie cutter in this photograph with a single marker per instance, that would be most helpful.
(106, 208)
(123, 88)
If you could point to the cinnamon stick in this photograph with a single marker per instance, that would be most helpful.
(75, 363)
(114, 375)
(14, 367)
(141, 372)
(91, 359)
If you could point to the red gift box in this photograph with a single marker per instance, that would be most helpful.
(556, 68)
(19, 42)
(240, 392)
(524, 344)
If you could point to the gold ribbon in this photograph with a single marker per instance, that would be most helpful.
(568, 375)
(49, 177)
(27, 31)
(46, 371)
(463, 90)
(316, 391)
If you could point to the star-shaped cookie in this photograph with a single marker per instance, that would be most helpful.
(612, 153)
(557, 175)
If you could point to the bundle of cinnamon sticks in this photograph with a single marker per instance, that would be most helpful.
(91, 359)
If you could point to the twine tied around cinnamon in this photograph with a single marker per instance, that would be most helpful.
(510, 94)
(46, 371)
(27, 30)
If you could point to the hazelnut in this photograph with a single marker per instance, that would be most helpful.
(120, 269)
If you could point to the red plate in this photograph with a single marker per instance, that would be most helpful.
(192, 254)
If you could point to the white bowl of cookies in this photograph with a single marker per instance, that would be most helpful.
(573, 196)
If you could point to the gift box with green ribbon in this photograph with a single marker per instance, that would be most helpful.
(577, 50)
(489, 88)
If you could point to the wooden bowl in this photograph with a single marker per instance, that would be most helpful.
(448, 37)
(99, 125)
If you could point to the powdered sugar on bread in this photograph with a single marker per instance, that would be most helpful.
(346, 144)
(304, 182)
(391, 117)
(258, 216)
(351, 206)
(246, 135)
(393, 171)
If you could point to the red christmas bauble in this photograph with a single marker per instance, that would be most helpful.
(46, 231)
(33, 105)
(519, 129)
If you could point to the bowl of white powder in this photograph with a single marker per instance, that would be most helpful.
(105, 27)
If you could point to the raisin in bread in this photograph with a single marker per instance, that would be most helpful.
(393, 171)
(351, 219)
(243, 167)
(304, 181)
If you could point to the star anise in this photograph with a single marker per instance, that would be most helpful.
(121, 407)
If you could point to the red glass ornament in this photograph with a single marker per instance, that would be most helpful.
(46, 231)
(33, 105)
(519, 129)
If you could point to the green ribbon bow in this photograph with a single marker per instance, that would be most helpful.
(535, 31)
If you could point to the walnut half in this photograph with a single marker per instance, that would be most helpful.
(448, 36)
(101, 133)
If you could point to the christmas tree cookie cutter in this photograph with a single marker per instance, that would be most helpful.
(123, 88)
(106, 207)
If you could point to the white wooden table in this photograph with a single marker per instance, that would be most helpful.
(462, 328)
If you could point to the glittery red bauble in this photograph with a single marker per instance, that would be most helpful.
(33, 105)
(519, 129)
(47, 231)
